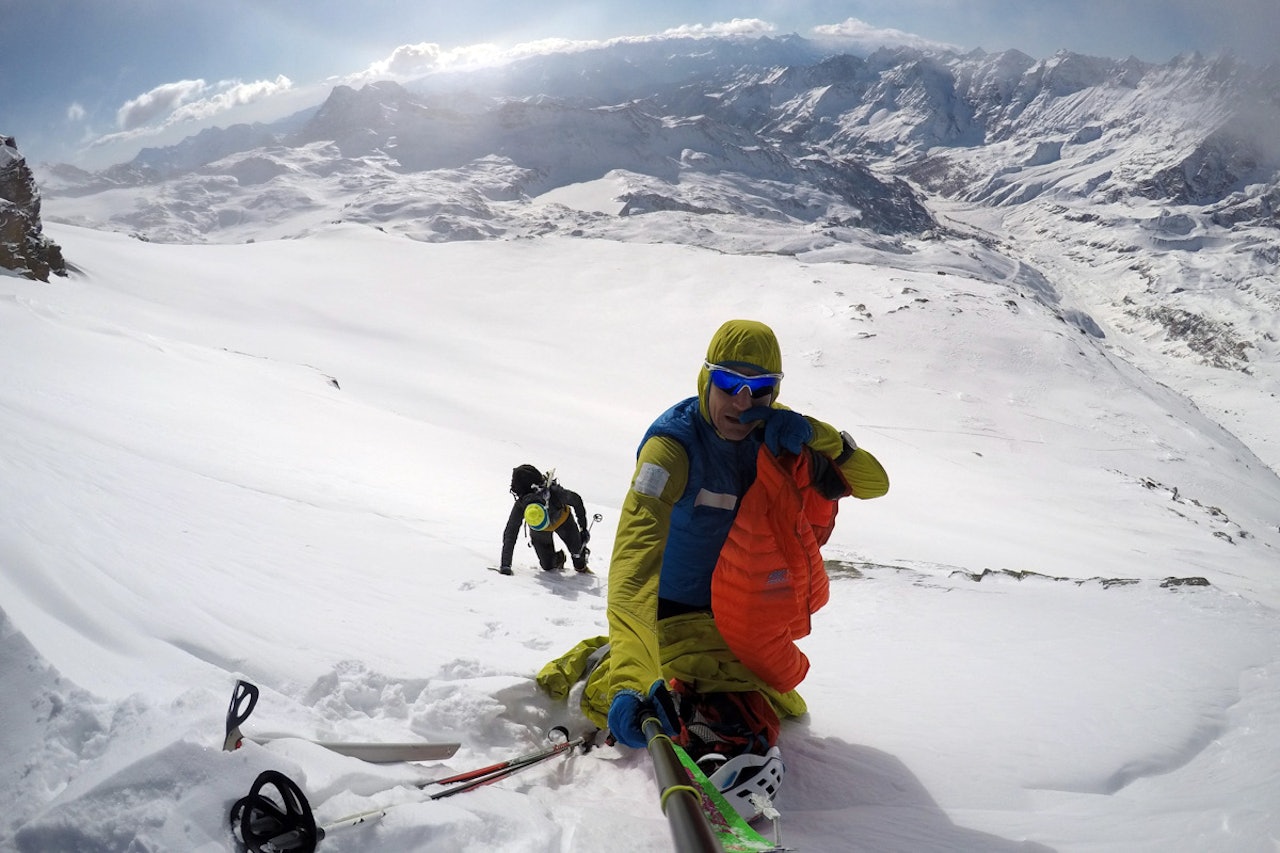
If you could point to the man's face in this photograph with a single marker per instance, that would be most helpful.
(725, 409)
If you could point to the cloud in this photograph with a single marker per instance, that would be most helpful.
(417, 60)
(736, 27)
(406, 60)
(75, 112)
(230, 94)
(177, 103)
(190, 100)
(159, 101)
(870, 38)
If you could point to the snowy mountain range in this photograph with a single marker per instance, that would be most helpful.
(1161, 183)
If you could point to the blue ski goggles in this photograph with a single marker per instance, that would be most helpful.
(732, 382)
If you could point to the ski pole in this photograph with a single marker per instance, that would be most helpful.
(285, 823)
(502, 769)
(681, 801)
(473, 779)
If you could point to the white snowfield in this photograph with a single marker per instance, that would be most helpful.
(288, 462)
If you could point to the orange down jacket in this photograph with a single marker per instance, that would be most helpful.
(770, 576)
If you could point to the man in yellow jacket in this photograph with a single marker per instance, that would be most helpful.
(695, 470)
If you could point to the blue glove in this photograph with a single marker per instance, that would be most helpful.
(783, 428)
(629, 710)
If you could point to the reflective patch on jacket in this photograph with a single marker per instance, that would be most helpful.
(651, 480)
(715, 499)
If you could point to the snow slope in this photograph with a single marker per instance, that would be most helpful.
(287, 461)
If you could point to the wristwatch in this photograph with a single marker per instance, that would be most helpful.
(849, 446)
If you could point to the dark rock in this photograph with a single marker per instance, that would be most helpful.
(23, 246)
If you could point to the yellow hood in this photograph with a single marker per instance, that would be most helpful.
(740, 343)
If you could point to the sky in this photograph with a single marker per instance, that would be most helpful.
(90, 82)
(288, 460)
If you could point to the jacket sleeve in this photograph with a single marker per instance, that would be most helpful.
(865, 475)
(574, 500)
(511, 532)
(662, 472)
(861, 471)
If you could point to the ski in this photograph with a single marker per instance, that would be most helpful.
(735, 834)
(245, 696)
(701, 819)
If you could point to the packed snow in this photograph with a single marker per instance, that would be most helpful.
(287, 462)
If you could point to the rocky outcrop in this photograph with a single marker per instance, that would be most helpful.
(23, 246)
